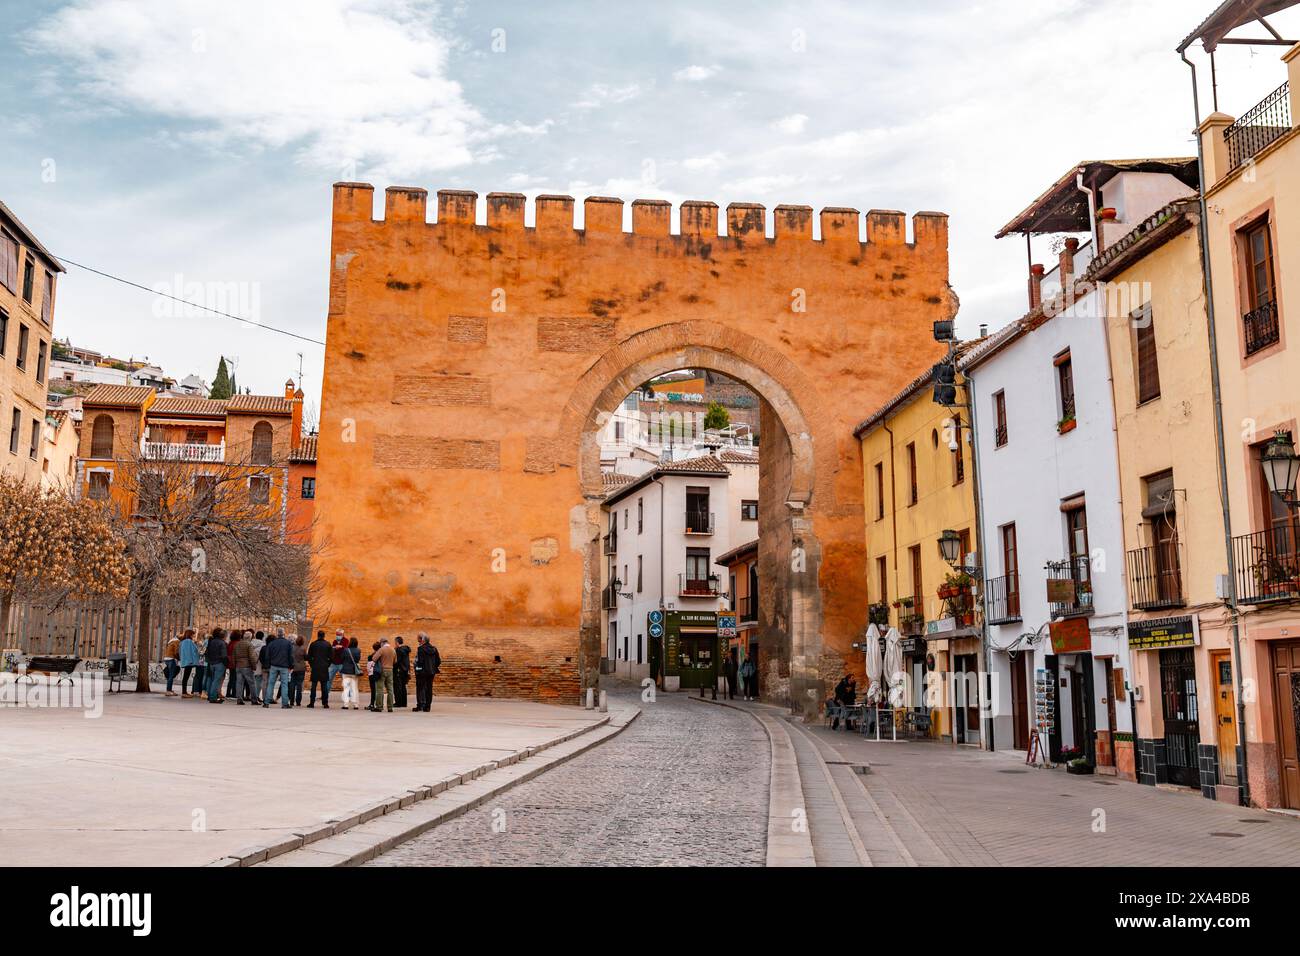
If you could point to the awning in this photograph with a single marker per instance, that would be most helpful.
(1232, 14)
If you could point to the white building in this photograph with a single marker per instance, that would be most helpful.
(643, 432)
(1052, 538)
(664, 530)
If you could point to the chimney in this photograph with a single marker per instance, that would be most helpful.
(1067, 262)
(294, 398)
(984, 330)
(1035, 286)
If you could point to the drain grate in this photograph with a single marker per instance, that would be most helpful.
(1106, 783)
(1254, 821)
(1227, 834)
(860, 769)
(1013, 771)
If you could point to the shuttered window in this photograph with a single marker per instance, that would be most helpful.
(1146, 360)
(262, 443)
(101, 437)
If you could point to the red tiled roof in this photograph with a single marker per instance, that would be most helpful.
(613, 479)
(118, 396)
(258, 405)
(738, 457)
(188, 405)
(305, 451)
(704, 465)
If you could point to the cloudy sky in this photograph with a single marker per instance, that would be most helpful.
(189, 145)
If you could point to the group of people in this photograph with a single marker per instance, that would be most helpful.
(257, 667)
(743, 672)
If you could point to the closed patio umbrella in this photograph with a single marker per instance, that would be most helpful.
(894, 670)
(874, 665)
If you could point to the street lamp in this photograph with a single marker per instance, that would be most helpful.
(1281, 466)
(951, 552)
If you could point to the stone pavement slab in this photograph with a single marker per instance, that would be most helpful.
(165, 781)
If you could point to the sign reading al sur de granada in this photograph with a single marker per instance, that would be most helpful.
(1162, 632)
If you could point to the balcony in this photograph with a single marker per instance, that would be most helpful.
(183, 451)
(609, 544)
(1268, 565)
(608, 598)
(1260, 328)
(1069, 587)
(1003, 598)
(1155, 579)
(747, 609)
(688, 586)
(1265, 122)
(699, 522)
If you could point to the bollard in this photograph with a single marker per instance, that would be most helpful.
(701, 692)
(604, 704)
(591, 693)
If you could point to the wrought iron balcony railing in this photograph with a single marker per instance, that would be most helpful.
(1263, 123)
(609, 543)
(1076, 598)
(608, 598)
(747, 608)
(1260, 328)
(1155, 578)
(1003, 598)
(699, 522)
(1268, 565)
(688, 586)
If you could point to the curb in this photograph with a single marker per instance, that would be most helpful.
(384, 827)
(786, 845)
(260, 854)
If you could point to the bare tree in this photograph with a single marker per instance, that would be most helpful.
(213, 533)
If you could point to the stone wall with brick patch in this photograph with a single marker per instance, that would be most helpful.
(467, 364)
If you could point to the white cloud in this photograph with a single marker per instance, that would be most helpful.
(791, 125)
(696, 73)
(602, 94)
(360, 84)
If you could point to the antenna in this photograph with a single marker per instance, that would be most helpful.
(300, 370)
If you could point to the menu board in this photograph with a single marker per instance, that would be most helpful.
(1044, 701)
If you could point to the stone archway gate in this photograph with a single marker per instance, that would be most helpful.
(466, 367)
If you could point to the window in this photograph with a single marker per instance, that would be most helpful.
(309, 487)
(698, 517)
(999, 419)
(613, 639)
(1011, 567)
(1260, 324)
(99, 483)
(638, 574)
(14, 426)
(914, 495)
(1065, 386)
(205, 491)
(697, 569)
(918, 592)
(23, 335)
(625, 523)
(4, 331)
(101, 437)
(47, 299)
(749, 510)
(40, 363)
(880, 491)
(958, 458)
(618, 431)
(9, 261)
(29, 279)
(1076, 529)
(259, 489)
(262, 443)
(882, 577)
(640, 515)
(196, 436)
(1146, 363)
(1162, 513)
(36, 438)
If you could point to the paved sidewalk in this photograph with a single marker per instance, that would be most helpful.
(169, 781)
(959, 806)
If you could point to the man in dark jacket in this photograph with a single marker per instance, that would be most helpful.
(427, 664)
(729, 670)
(401, 672)
(216, 658)
(279, 658)
(319, 657)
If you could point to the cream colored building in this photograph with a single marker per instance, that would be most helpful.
(27, 290)
(1252, 193)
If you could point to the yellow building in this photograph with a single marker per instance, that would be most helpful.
(1251, 172)
(918, 484)
(1181, 652)
(27, 284)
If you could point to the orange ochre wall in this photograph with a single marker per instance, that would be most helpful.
(465, 366)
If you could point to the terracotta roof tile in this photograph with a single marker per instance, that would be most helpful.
(118, 396)
(188, 405)
(737, 457)
(305, 451)
(704, 465)
(258, 404)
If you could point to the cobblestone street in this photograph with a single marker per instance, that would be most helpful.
(685, 785)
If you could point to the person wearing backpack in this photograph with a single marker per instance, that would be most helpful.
(350, 669)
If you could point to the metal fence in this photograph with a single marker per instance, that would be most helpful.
(1258, 127)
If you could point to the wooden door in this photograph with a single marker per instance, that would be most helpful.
(1286, 684)
(1225, 713)
(1019, 703)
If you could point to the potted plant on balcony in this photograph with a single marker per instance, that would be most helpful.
(878, 614)
(1084, 591)
(1066, 424)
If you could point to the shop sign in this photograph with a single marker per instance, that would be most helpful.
(911, 645)
(942, 626)
(1159, 633)
(1071, 636)
(726, 626)
(1061, 591)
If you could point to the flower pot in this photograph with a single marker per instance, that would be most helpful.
(1079, 769)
